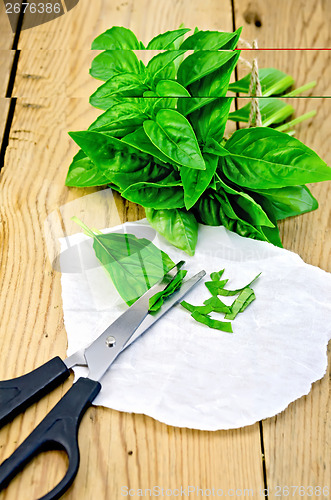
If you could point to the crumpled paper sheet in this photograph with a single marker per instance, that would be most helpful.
(183, 373)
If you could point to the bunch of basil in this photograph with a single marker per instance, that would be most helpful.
(160, 140)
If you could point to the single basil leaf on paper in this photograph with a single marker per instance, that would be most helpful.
(195, 182)
(140, 141)
(272, 110)
(223, 326)
(120, 119)
(166, 193)
(116, 37)
(134, 264)
(179, 227)
(161, 66)
(262, 158)
(122, 85)
(210, 120)
(211, 40)
(202, 63)
(156, 302)
(113, 62)
(289, 201)
(173, 135)
(165, 41)
(245, 298)
(273, 82)
(83, 173)
(170, 88)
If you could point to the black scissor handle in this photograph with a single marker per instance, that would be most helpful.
(19, 393)
(58, 430)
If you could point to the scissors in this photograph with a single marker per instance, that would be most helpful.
(59, 429)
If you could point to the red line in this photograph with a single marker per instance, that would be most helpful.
(285, 49)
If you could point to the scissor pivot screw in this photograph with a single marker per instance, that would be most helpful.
(110, 341)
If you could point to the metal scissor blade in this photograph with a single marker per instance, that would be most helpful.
(104, 350)
(168, 304)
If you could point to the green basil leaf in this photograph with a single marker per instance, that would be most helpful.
(289, 201)
(272, 110)
(165, 41)
(166, 193)
(200, 309)
(161, 66)
(113, 62)
(208, 88)
(156, 302)
(224, 326)
(273, 82)
(217, 305)
(116, 37)
(105, 151)
(245, 298)
(210, 120)
(134, 264)
(215, 84)
(170, 88)
(215, 286)
(173, 135)
(262, 158)
(211, 40)
(213, 209)
(83, 173)
(179, 227)
(129, 173)
(216, 276)
(224, 292)
(202, 63)
(140, 140)
(195, 182)
(123, 85)
(254, 213)
(120, 119)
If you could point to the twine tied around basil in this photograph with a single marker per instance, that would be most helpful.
(255, 90)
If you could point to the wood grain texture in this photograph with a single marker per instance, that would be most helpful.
(6, 61)
(4, 108)
(285, 23)
(32, 330)
(146, 18)
(296, 442)
(6, 32)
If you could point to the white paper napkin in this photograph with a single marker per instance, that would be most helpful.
(185, 374)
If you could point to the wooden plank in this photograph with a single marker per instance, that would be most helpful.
(6, 32)
(6, 61)
(147, 18)
(285, 23)
(4, 108)
(296, 441)
(32, 330)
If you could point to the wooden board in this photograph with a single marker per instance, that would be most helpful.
(117, 449)
(296, 445)
(6, 32)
